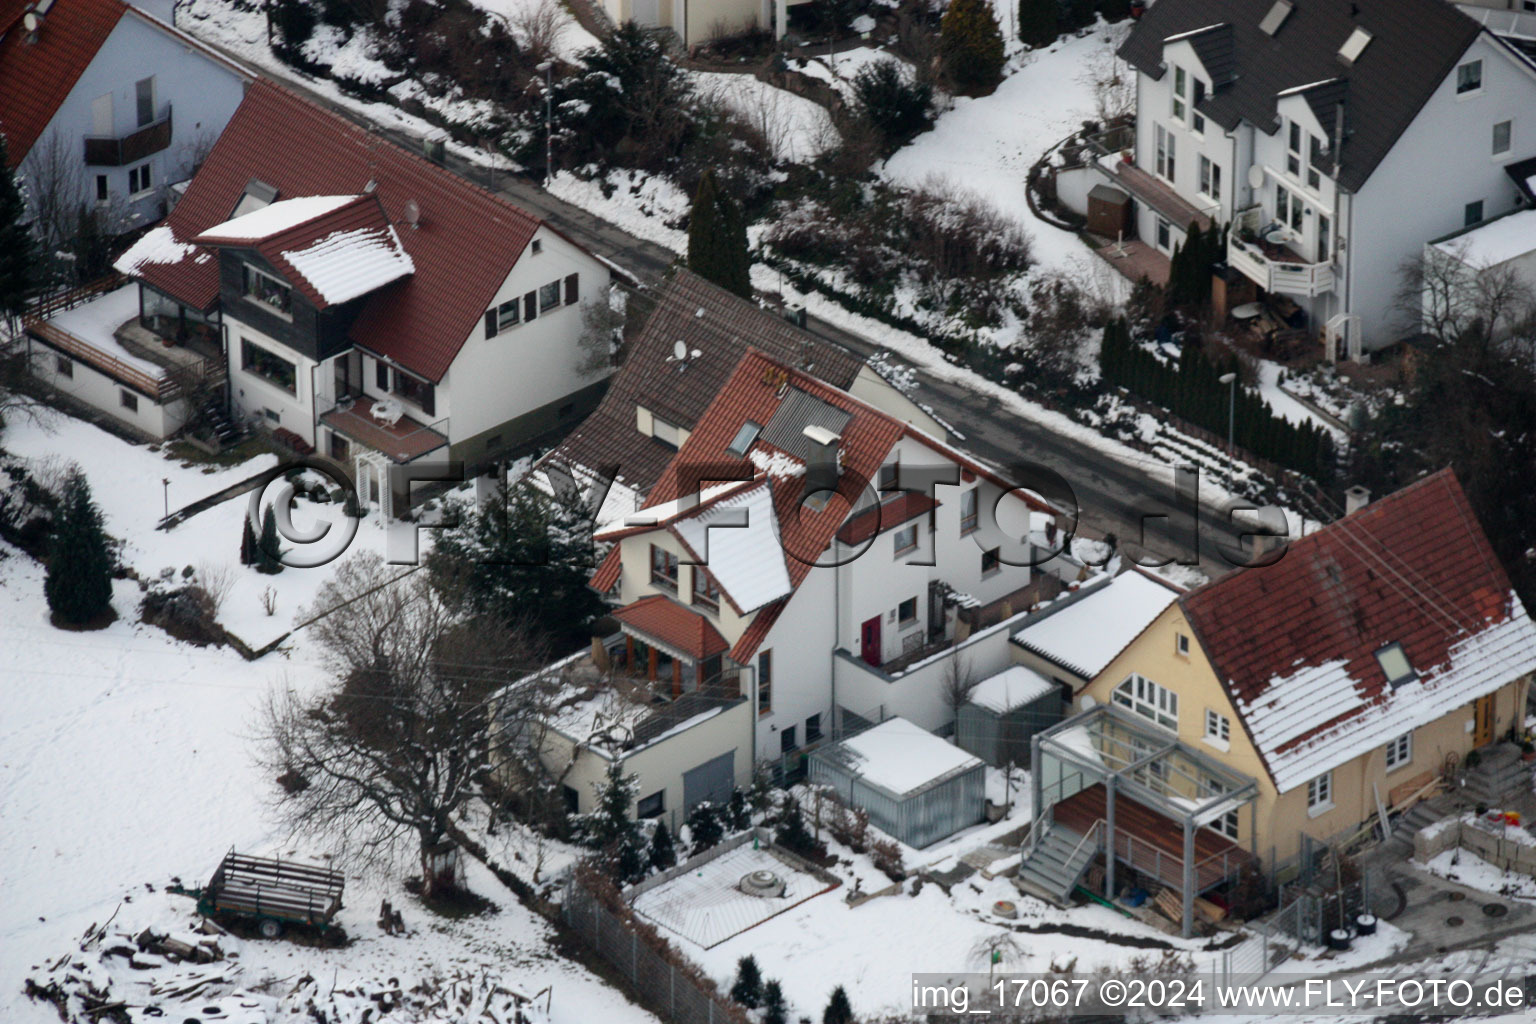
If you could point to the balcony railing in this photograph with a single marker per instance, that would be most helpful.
(1271, 265)
(118, 151)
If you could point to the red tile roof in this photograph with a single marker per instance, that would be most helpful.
(466, 242)
(361, 214)
(36, 77)
(607, 574)
(663, 619)
(1413, 567)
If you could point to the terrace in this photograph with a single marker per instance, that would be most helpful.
(1262, 252)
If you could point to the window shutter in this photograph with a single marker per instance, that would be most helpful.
(381, 376)
(572, 293)
(490, 323)
(530, 306)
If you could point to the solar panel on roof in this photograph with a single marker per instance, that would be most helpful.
(786, 430)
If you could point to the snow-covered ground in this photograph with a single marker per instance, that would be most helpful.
(569, 37)
(988, 144)
(126, 480)
(798, 129)
(840, 69)
(1469, 869)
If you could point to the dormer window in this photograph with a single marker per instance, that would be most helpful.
(264, 288)
(1354, 46)
(1394, 663)
(1276, 17)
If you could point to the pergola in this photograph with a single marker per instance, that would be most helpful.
(1109, 771)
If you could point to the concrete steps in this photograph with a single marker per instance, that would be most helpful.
(1499, 778)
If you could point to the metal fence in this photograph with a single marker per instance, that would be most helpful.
(670, 993)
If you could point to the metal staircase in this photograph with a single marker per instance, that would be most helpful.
(1057, 860)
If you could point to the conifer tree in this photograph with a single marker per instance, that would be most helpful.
(611, 831)
(775, 1010)
(717, 239)
(17, 257)
(269, 552)
(971, 47)
(247, 542)
(1039, 22)
(791, 832)
(663, 853)
(838, 1010)
(78, 584)
(748, 990)
(739, 813)
(704, 828)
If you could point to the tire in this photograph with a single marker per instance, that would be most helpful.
(270, 928)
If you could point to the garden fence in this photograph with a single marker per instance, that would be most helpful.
(670, 993)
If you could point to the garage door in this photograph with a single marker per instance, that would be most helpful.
(713, 781)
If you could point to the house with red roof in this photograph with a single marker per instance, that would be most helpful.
(362, 300)
(1316, 697)
(808, 565)
(105, 105)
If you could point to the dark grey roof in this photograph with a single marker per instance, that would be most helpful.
(721, 327)
(1216, 49)
(1414, 45)
(786, 430)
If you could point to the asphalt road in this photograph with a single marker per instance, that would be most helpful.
(1113, 497)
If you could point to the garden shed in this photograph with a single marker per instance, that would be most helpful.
(915, 786)
(1004, 711)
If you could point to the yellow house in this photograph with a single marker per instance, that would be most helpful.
(1305, 697)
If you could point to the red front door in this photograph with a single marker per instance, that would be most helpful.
(869, 645)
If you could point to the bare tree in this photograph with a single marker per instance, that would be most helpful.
(1112, 84)
(598, 345)
(55, 189)
(399, 744)
(217, 580)
(958, 682)
(1453, 295)
(538, 27)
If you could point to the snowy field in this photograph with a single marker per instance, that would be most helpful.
(126, 481)
(797, 129)
(706, 907)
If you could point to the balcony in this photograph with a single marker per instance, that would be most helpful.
(389, 431)
(103, 151)
(1259, 255)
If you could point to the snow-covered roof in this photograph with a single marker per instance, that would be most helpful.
(158, 245)
(1496, 242)
(1086, 635)
(737, 539)
(276, 217)
(1291, 708)
(1011, 688)
(903, 758)
(345, 264)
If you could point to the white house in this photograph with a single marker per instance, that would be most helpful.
(370, 303)
(110, 103)
(1336, 137)
(699, 21)
(820, 560)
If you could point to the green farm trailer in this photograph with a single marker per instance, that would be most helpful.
(271, 892)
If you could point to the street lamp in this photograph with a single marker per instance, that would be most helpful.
(166, 483)
(1231, 380)
(548, 67)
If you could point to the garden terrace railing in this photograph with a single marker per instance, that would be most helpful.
(159, 389)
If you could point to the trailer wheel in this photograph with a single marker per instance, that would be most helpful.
(270, 927)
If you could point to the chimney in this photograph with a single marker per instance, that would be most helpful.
(824, 460)
(1356, 498)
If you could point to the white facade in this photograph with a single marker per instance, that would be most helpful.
(84, 383)
(1441, 175)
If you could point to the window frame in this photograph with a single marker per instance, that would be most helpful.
(1402, 679)
(970, 507)
(659, 567)
(1197, 96)
(1293, 148)
(139, 101)
(1472, 213)
(64, 366)
(904, 620)
(1181, 644)
(764, 682)
(1320, 794)
(250, 275)
(900, 546)
(127, 400)
(139, 183)
(1166, 154)
(1314, 150)
(705, 589)
(1149, 700)
(1218, 729)
(420, 393)
(549, 296)
(645, 814)
(995, 557)
(1400, 751)
(1210, 178)
(252, 355)
(813, 728)
(787, 744)
(1508, 124)
(1180, 104)
(1472, 86)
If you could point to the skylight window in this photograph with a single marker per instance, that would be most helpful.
(1394, 662)
(1276, 17)
(1354, 46)
(744, 438)
(257, 194)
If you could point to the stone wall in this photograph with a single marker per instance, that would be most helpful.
(1486, 841)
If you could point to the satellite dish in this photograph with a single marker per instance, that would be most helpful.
(31, 21)
(1086, 702)
(679, 350)
(1255, 176)
(412, 212)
